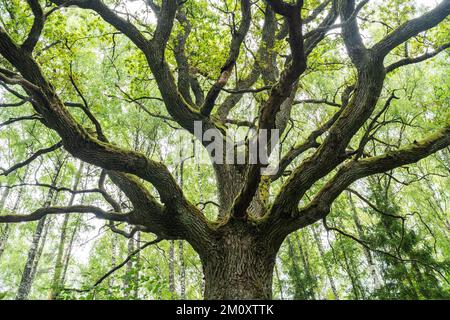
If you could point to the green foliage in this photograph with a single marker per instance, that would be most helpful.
(405, 220)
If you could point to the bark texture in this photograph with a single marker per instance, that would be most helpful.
(240, 266)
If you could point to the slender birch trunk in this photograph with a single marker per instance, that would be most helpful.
(356, 286)
(305, 262)
(180, 243)
(172, 268)
(138, 265)
(4, 230)
(41, 247)
(4, 236)
(280, 282)
(55, 288)
(27, 278)
(113, 261)
(5, 195)
(182, 270)
(201, 198)
(294, 258)
(129, 268)
(325, 262)
(68, 253)
(361, 235)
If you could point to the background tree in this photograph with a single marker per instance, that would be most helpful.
(91, 75)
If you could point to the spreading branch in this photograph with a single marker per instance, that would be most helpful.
(320, 205)
(34, 156)
(38, 25)
(119, 266)
(423, 57)
(412, 28)
(42, 212)
(235, 46)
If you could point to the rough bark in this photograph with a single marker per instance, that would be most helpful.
(27, 278)
(240, 265)
(238, 250)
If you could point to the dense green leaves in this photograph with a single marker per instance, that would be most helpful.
(387, 237)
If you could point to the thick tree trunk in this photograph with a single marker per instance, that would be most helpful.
(239, 267)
